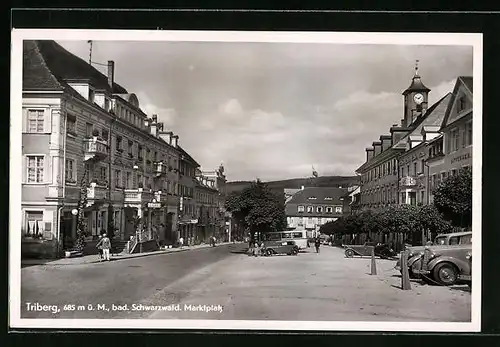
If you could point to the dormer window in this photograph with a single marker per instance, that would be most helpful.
(312, 198)
(300, 208)
(328, 198)
(309, 209)
(106, 104)
(461, 104)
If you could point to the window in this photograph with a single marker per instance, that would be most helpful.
(461, 104)
(129, 180)
(71, 125)
(408, 169)
(329, 209)
(338, 209)
(70, 171)
(415, 168)
(454, 240)
(455, 138)
(309, 209)
(35, 121)
(422, 166)
(106, 104)
(89, 129)
(300, 208)
(402, 172)
(35, 168)
(319, 209)
(34, 223)
(118, 178)
(422, 196)
(119, 142)
(468, 133)
(103, 175)
(130, 149)
(105, 134)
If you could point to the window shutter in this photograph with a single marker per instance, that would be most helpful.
(25, 169)
(47, 121)
(25, 120)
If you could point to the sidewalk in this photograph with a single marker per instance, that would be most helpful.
(94, 258)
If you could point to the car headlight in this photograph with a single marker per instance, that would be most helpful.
(468, 256)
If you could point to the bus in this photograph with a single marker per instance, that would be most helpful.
(299, 236)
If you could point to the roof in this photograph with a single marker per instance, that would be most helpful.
(416, 86)
(387, 154)
(187, 156)
(433, 116)
(449, 117)
(47, 65)
(320, 193)
(467, 80)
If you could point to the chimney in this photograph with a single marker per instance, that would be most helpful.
(377, 146)
(111, 73)
(175, 140)
(154, 125)
(369, 154)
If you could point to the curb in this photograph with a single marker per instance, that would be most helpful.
(127, 256)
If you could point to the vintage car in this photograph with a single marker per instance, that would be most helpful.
(381, 250)
(280, 247)
(445, 265)
(416, 252)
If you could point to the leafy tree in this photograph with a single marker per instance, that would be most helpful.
(453, 198)
(257, 209)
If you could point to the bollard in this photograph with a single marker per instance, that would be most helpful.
(405, 276)
(374, 264)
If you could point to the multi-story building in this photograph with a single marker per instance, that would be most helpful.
(80, 126)
(451, 150)
(312, 207)
(223, 218)
(206, 196)
(395, 168)
(187, 204)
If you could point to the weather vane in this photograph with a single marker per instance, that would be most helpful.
(416, 67)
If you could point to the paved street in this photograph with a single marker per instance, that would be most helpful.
(309, 286)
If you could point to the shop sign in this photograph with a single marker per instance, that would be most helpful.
(154, 204)
(461, 158)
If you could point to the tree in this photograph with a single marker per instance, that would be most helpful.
(453, 198)
(257, 209)
(431, 220)
(81, 229)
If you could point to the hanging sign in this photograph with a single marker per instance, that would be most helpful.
(154, 204)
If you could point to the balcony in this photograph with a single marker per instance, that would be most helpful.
(408, 181)
(96, 192)
(95, 149)
(138, 196)
(160, 168)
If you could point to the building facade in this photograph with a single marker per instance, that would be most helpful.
(188, 218)
(312, 207)
(206, 197)
(404, 168)
(451, 150)
(223, 218)
(81, 127)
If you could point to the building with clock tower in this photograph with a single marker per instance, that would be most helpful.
(415, 99)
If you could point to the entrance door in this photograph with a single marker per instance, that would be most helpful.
(168, 228)
(413, 198)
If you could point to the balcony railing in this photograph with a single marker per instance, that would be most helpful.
(160, 168)
(137, 196)
(95, 148)
(408, 181)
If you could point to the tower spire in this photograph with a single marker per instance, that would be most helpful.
(416, 67)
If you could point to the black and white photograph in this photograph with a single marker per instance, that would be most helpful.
(245, 180)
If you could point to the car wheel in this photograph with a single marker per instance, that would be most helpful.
(349, 253)
(445, 274)
(269, 252)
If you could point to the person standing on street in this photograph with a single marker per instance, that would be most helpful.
(317, 243)
(105, 245)
(181, 242)
(98, 246)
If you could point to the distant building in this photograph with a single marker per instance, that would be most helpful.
(311, 207)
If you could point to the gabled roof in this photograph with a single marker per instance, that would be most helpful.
(47, 64)
(416, 86)
(462, 81)
(320, 193)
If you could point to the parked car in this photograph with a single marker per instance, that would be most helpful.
(280, 247)
(416, 252)
(446, 265)
(381, 250)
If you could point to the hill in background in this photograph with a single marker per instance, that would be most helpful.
(297, 183)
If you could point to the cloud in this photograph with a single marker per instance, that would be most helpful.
(166, 115)
(231, 107)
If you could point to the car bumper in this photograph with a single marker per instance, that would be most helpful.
(465, 277)
(421, 272)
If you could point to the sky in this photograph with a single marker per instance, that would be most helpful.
(274, 110)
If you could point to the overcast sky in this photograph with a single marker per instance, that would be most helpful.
(273, 110)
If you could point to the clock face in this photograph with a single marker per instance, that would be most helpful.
(418, 98)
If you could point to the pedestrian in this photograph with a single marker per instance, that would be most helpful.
(105, 244)
(317, 243)
(181, 242)
(99, 248)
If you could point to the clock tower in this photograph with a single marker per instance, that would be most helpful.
(415, 99)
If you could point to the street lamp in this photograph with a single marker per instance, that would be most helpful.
(74, 212)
